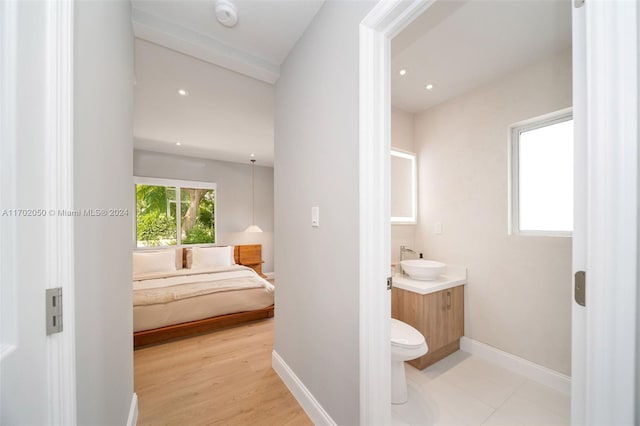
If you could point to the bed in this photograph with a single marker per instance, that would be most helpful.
(181, 292)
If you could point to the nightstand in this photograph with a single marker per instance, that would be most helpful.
(251, 255)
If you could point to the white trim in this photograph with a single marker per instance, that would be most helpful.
(58, 194)
(579, 240)
(515, 130)
(142, 180)
(305, 398)
(528, 369)
(169, 34)
(385, 20)
(612, 121)
(132, 420)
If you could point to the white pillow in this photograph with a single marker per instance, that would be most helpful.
(146, 262)
(211, 257)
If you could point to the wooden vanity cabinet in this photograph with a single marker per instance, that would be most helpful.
(438, 316)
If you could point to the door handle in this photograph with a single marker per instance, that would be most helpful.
(448, 300)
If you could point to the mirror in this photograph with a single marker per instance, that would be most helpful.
(404, 184)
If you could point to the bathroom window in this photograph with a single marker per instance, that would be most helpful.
(541, 152)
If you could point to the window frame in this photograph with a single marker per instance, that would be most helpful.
(515, 130)
(178, 184)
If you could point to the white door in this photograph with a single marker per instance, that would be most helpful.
(36, 371)
(23, 368)
(605, 359)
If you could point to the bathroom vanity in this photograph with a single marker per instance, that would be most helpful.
(435, 309)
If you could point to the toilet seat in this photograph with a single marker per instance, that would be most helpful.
(404, 336)
(407, 343)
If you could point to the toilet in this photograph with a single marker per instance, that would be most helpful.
(406, 344)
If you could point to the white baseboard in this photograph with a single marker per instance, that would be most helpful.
(133, 411)
(306, 400)
(270, 275)
(530, 370)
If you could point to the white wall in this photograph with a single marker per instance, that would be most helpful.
(103, 111)
(233, 183)
(519, 294)
(316, 164)
(401, 138)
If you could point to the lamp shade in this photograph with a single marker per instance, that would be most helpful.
(253, 228)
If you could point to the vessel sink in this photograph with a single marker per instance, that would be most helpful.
(421, 269)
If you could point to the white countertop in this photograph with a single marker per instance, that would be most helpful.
(453, 276)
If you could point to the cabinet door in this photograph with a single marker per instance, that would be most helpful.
(436, 317)
(454, 311)
(407, 307)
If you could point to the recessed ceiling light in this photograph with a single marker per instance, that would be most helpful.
(403, 71)
(178, 143)
(429, 86)
(253, 155)
(183, 92)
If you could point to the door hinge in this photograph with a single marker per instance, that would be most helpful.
(54, 310)
(389, 283)
(579, 288)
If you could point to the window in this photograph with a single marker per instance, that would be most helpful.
(159, 220)
(542, 175)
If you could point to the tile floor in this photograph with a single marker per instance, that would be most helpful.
(463, 389)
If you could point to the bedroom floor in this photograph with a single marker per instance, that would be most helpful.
(463, 389)
(224, 377)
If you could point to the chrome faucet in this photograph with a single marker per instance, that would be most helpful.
(403, 250)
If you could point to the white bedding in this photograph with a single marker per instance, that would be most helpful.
(189, 295)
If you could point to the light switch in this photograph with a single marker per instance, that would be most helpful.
(437, 228)
(315, 216)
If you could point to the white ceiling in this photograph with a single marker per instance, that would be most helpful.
(227, 116)
(229, 73)
(266, 31)
(460, 45)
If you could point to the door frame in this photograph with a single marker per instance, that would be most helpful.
(59, 167)
(610, 201)
(382, 23)
(611, 127)
(56, 49)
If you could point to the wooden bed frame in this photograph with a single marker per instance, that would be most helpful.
(248, 255)
(157, 335)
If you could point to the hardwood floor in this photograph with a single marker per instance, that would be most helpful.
(223, 377)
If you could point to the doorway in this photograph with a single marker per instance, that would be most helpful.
(384, 22)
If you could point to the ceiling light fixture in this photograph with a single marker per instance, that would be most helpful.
(226, 13)
(403, 72)
(178, 143)
(253, 227)
(429, 86)
(183, 92)
(253, 155)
